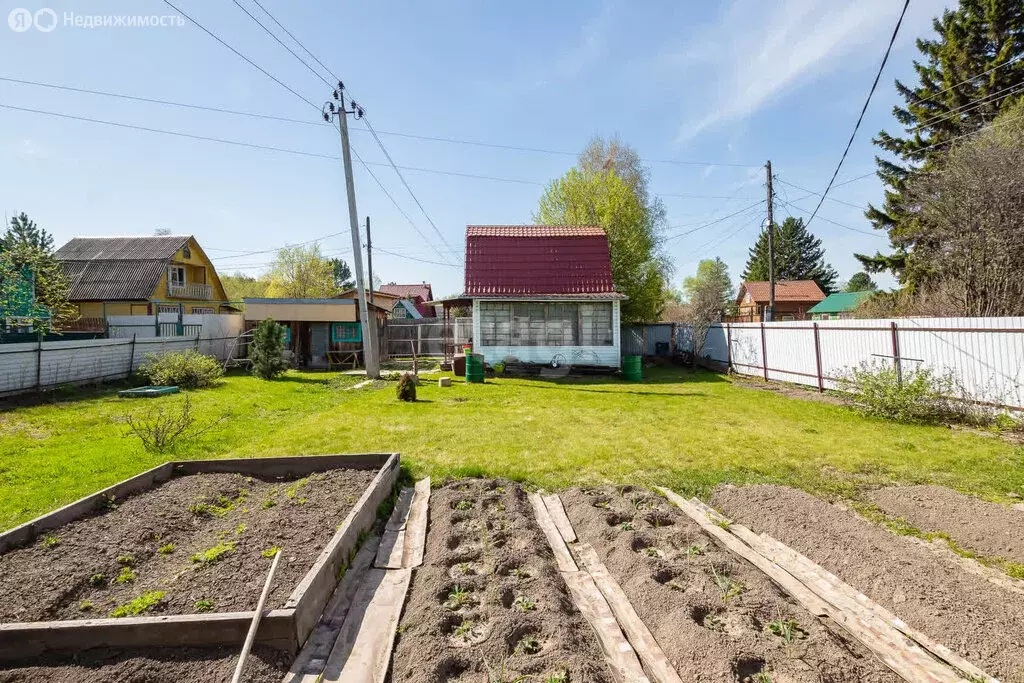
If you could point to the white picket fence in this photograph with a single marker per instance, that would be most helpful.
(34, 366)
(985, 356)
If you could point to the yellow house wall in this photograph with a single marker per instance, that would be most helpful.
(197, 260)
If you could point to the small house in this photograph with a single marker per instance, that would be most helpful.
(416, 294)
(144, 275)
(319, 333)
(542, 294)
(381, 299)
(838, 306)
(793, 300)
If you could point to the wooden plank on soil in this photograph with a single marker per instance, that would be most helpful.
(547, 525)
(312, 659)
(392, 542)
(640, 637)
(554, 505)
(834, 590)
(362, 653)
(416, 528)
(620, 655)
(903, 656)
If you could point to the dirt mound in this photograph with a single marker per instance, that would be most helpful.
(977, 619)
(990, 529)
(161, 665)
(716, 617)
(195, 543)
(488, 603)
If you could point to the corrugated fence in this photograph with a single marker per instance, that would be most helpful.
(985, 356)
(46, 365)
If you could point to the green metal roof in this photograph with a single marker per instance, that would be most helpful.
(840, 302)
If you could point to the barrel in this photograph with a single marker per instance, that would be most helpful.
(632, 368)
(475, 368)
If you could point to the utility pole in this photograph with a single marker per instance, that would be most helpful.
(770, 311)
(369, 256)
(369, 328)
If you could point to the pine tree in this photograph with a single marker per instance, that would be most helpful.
(798, 256)
(267, 350)
(972, 70)
(861, 282)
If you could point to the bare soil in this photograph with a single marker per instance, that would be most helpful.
(978, 619)
(515, 617)
(987, 528)
(162, 665)
(198, 539)
(711, 611)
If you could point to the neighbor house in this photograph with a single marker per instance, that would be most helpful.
(417, 294)
(381, 299)
(838, 306)
(141, 276)
(542, 294)
(793, 300)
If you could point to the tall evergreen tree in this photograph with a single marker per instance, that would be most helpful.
(28, 249)
(798, 256)
(971, 71)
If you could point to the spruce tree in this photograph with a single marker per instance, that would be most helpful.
(267, 350)
(798, 256)
(971, 71)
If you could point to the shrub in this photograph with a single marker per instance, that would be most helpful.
(187, 369)
(267, 350)
(917, 396)
(407, 388)
(162, 427)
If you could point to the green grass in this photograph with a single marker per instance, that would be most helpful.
(678, 429)
(143, 603)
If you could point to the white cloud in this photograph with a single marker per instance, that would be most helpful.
(758, 51)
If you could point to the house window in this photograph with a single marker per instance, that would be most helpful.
(200, 310)
(346, 332)
(176, 275)
(167, 308)
(545, 324)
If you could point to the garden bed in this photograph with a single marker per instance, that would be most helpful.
(978, 618)
(488, 603)
(716, 617)
(178, 555)
(196, 544)
(158, 665)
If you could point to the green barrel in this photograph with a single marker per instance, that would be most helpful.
(475, 368)
(632, 368)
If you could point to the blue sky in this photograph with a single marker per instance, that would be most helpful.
(717, 83)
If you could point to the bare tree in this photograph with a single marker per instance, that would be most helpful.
(970, 221)
(704, 309)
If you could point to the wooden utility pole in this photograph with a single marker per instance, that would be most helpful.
(770, 311)
(369, 257)
(369, 327)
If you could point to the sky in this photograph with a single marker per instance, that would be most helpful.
(706, 92)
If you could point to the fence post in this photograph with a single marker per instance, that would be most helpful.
(419, 340)
(181, 320)
(39, 363)
(131, 355)
(896, 353)
(728, 348)
(817, 358)
(764, 353)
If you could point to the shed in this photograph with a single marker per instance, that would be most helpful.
(542, 294)
(319, 332)
(838, 306)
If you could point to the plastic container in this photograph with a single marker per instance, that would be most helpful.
(633, 368)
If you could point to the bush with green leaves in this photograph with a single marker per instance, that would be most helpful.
(186, 369)
(406, 389)
(917, 395)
(267, 350)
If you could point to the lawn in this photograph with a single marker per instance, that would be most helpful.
(680, 429)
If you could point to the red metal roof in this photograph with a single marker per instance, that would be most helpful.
(785, 290)
(524, 260)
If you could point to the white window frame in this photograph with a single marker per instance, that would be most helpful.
(180, 271)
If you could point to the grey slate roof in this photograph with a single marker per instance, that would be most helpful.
(117, 268)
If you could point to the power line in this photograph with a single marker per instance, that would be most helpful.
(829, 220)
(297, 41)
(669, 238)
(971, 78)
(281, 42)
(267, 251)
(973, 104)
(818, 194)
(252, 63)
(863, 110)
(413, 258)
